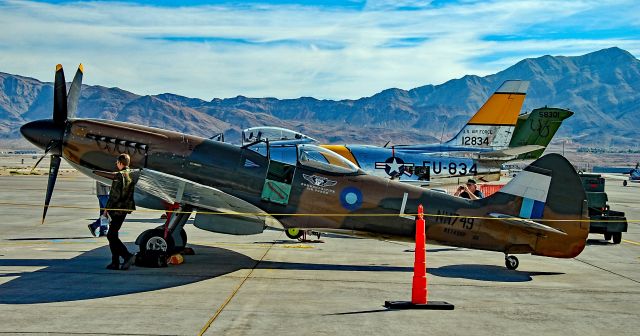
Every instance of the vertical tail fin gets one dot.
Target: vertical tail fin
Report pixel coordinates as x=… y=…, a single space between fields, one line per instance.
x=538 y=128
x=492 y=126
x=546 y=198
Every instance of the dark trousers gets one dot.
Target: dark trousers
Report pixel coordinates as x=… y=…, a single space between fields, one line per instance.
x=115 y=244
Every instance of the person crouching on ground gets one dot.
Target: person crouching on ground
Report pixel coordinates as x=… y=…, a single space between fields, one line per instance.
x=469 y=190
x=120 y=204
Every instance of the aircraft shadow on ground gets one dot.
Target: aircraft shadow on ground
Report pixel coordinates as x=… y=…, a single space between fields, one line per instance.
x=485 y=273
x=84 y=277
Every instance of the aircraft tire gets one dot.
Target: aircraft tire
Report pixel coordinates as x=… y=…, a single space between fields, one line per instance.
x=183 y=234
x=511 y=262
x=624 y=183
x=153 y=239
x=617 y=237
x=293 y=233
x=607 y=236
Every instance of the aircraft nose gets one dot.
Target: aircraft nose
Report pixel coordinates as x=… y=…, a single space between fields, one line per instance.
x=41 y=132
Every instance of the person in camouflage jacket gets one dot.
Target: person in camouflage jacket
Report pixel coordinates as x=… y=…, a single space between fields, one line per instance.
x=120 y=204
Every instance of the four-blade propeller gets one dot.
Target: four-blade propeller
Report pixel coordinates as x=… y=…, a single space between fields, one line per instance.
x=64 y=107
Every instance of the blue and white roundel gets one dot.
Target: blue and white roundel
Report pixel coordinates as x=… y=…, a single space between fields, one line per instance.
x=351 y=198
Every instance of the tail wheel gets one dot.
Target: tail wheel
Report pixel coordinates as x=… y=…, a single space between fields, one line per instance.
x=153 y=240
x=293 y=233
x=511 y=262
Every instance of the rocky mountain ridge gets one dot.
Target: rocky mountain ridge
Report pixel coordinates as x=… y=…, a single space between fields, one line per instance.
x=602 y=87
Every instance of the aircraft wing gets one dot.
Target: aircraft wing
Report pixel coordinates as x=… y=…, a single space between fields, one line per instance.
x=508 y=153
x=526 y=224
x=243 y=217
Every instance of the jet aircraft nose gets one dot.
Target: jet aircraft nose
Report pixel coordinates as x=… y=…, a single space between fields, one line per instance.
x=42 y=132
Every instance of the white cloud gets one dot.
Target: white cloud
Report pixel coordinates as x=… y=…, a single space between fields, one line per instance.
x=291 y=51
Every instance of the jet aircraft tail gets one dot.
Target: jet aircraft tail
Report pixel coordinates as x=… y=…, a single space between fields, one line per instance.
x=548 y=201
x=492 y=126
x=537 y=128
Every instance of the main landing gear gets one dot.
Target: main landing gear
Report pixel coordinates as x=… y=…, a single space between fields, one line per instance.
x=511 y=262
x=169 y=238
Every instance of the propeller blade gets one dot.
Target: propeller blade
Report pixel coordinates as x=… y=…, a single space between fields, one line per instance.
x=74 y=93
x=59 y=97
x=37 y=163
x=53 y=174
x=49 y=146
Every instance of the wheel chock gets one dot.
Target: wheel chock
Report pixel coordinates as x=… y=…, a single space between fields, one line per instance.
x=176 y=259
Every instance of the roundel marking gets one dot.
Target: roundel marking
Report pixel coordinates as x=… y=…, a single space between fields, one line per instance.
x=351 y=198
x=394 y=166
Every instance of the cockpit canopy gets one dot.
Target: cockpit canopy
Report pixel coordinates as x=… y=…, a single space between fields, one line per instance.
x=324 y=159
x=274 y=135
x=307 y=155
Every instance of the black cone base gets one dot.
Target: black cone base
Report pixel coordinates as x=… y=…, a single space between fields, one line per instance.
x=433 y=305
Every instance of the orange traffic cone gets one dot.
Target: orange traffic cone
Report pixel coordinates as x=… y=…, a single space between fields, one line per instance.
x=419 y=290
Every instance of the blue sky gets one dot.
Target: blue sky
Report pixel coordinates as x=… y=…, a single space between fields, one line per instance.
x=287 y=49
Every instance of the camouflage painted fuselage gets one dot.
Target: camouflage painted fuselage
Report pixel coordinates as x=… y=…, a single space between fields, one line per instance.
x=356 y=203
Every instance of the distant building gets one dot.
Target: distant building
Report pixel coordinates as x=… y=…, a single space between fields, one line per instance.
x=24 y=151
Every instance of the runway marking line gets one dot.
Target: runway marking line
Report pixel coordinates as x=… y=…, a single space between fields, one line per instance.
x=631 y=242
x=233 y=294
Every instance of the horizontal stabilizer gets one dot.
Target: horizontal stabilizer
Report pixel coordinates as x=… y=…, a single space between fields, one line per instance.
x=525 y=224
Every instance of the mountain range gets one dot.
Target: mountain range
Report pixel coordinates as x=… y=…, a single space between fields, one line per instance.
x=602 y=88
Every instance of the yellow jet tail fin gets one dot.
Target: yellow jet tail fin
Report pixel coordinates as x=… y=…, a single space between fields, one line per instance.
x=492 y=126
x=503 y=107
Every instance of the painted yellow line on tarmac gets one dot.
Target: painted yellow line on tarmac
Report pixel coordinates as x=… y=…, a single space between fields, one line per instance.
x=631 y=242
x=264 y=245
x=233 y=294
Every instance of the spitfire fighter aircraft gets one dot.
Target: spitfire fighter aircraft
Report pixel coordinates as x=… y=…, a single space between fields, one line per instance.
x=238 y=190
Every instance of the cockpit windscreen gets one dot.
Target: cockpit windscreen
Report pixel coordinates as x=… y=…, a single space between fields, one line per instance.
x=324 y=159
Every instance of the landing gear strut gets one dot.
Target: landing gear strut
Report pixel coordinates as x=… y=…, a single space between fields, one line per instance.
x=511 y=262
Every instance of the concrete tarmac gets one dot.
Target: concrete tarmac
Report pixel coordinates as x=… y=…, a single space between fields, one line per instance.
x=53 y=280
